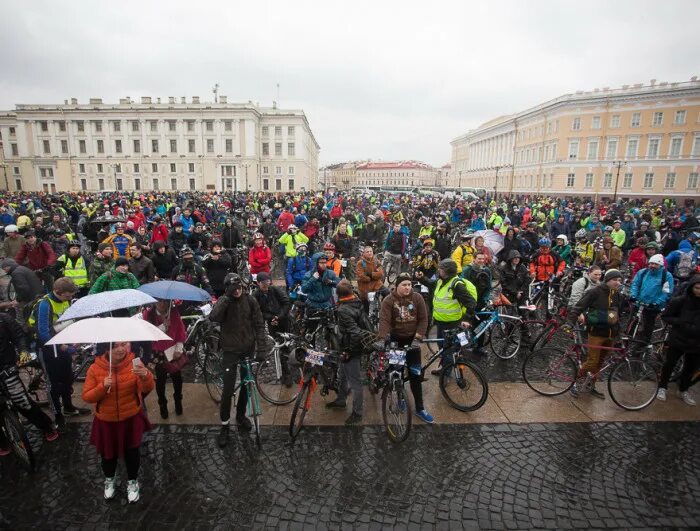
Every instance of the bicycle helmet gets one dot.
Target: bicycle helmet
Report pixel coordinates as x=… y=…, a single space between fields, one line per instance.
x=119 y=226
x=329 y=247
x=514 y=254
x=10 y=229
x=608 y=228
x=545 y=242
x=563 y=237
x=300 y=246
x=185 y=251
x=581 y=234
x=258 y=236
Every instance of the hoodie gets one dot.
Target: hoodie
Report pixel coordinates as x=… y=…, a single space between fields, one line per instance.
x=27 y=285
x=403 y=317
x=683 y=314
x=319 y=291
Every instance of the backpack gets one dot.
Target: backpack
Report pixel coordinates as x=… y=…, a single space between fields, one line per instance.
x=684 y=267
x=28 y=311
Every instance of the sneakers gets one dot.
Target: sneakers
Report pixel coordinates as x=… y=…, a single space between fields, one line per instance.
x=110 y=488
x=336 y=404
x=575 y=391
x=222 y=438
x=75 y=411
x=425 y=416
x=353 y=420
x=244 y=424
x=661 y=394
x=132 y=491
x=685 y=396
x=51 y=435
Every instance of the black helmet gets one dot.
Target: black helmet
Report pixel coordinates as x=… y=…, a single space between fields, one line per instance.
x=185 y=251
x=233 y=279
x=449 y=266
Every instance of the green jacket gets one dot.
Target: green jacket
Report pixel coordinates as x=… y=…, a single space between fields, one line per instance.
x=97 y=267
x=114 y=280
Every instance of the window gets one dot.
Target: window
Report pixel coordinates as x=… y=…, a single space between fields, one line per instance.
x=173 y=146
x=15 y=170
x=210 y=145
x=120 y=184
x=266 y=184
x=278 y=170
x=80 y=125
x=290 y=130
x=570 y=180
x=116 y=127
x=154 y=126
x=117 y=168
x=658 y=119
x=190 y=126
x=117 y=146
x=676 y=144
x=278 y=130
x=627 y=180
x=229 y=145
x=191 y=145
x=592 y=149
x=44 y=127
x=611 y=152
x=679 y=118
x=46 y=172
x=100 y=146
x=607 y=180
x=61 y=126
x=173 y=184
x=137 y=184
x=137 y=146
x=100 y=168
x=278 y=184
x=278 y=149
x=615 y=121
x=81 y=146
x=172 y=125
x=266 y=170
x=228 y=171
x=636 y=119
x=632 y=145
x=291 y=149
x=693 y=180
x=154 y=167
x=137 y=168
x=15 y=151
x=81 y=168
x=46 y=146
x=193 y=184
x=696 y=146
x=265 y=148
x=209 y=125
x=670 y=180
x=156 y=184
x=172 y=167
x=228 y=125
x=190 y=167
x=135 y=126
x=576 y=125
x=98 y=127
x=290 y=170
x=573 y=149
x=595 y=122
x=83 y=184
x=291 y=184
x=18 y=183
x=12 y=131
x=589 y=180
x=653 y=151
x=154 y=146
x=648 y=180
x=101 y=184
x=265 y=130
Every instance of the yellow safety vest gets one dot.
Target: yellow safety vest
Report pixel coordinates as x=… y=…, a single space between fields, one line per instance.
x=77 y=273
x=446 y=308
x=57 y=309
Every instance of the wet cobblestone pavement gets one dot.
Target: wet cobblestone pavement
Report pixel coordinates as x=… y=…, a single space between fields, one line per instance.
x=555 y=476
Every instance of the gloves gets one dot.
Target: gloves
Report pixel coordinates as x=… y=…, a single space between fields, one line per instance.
x=24 y=357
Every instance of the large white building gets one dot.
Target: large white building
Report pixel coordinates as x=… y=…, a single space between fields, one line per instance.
x=396 y=173
x=157 y=145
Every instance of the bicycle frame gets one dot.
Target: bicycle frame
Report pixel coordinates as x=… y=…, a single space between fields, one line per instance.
x=249 y=381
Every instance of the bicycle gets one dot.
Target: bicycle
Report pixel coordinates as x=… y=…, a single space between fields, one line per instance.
x=458 y=374
x=82 y=359
x=391 y=264
x=385 y=370
x=318 y=367
x=319 y=328
x=13 y=429
x=34 y=380
x=632 y=382
x=270 y=374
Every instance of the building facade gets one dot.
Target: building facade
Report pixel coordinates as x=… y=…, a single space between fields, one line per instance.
x=403 y=173
x=640 y=141
x=154 y=145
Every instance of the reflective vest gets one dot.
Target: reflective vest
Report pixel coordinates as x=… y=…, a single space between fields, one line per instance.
x=446 y=308
x=77 y=273
x=57 y=309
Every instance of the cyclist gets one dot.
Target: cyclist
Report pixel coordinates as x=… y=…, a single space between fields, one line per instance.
x=585 y=253
x=464 y=254
x=119 y=241
x=514 y=278
x=318 y=284
x=242 y=333
x=191 y=272
x=332 y=262
x=396 y=245
x=297 y=267
x=610 y=256
x=600 y=308
x=563 y=249
x=590 y=279
x=545 y=263
x=427 y=260
x=25 y=281
x=682 y=262
x=403 y=319
x=637 y=256
x=12 y=339
x=369 y=275
x=653 y=287
x=290 y=241
x=618 y=235
x=140 y=265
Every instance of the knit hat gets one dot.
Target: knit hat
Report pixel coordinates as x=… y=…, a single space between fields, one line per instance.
x=121 y=261
x=8 y=262
x=402 y=278
x=449 y=266
x=611 y=274
x=101 y=247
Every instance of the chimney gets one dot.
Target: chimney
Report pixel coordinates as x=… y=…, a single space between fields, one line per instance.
x=74 y=101
x=183 y=99
x=128 y=99
x=145 y=99
x=195 y=99
x=223 y=99
x=95 y=101
x=171 y=99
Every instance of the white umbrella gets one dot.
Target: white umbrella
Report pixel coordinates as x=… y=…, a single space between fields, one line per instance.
x=492 y=239
x=108 y=301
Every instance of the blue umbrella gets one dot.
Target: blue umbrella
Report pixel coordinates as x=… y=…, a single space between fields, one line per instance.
x=173 y=290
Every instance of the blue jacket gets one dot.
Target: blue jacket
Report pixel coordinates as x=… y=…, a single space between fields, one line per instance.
x=649 y=288
x=478 y=224
x=319 y=291
x=297 y=267
x=187 y=224
x=300 y=220
x=673 y=257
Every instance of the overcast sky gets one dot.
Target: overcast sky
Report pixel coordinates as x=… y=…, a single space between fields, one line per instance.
x=377 y=79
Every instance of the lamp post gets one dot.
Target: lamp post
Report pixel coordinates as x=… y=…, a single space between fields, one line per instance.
x=4 y=172
x=460 y=180
x=619 y=164
x=246 y=165
x=495 y=182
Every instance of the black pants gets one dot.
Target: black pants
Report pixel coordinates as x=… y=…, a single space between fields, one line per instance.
x=132 y=460
x=230 y=368
x=59 y=369
x=413 y=363
x=648 y=321
x=162 y=379
x=13 y=387
x=690 y=366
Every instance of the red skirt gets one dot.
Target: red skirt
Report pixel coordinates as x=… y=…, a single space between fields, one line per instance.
x=110 y=439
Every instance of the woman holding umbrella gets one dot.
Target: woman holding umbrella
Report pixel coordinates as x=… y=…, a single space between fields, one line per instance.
x=116 y=384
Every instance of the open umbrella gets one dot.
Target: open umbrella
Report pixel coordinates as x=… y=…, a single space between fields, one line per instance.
x=109 y=219
x=108 y=301
x=492 y=239
x=173 y=290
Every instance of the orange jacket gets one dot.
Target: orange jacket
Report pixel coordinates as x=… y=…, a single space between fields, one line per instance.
x=544 y=266
x=124 y=399
x=369 y=276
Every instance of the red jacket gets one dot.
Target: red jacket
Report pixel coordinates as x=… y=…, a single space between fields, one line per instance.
x=160 y=233
x=638 y=259
x=38 y=257
x=284 y=220
x=259 y=259
x=544 y=266
x=310 y=229
x=336 y=212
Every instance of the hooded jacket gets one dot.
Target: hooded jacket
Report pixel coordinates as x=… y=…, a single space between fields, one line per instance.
x=319 y=291
x=600 y=298
x=297 y=267
x=673 y=259
x=217 y=270
x=27 y=285
x=259 y=259
x=349 y=314
x=37 y=257
x=243 y=327
x=683 y=314
x=164 y=263
x=12 y=339
x=649 y=287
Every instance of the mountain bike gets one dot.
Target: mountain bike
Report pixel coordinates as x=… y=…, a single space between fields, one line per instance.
x=13 y=429
x=82 y=359
x=319 y=328
x=385 y=371
x=391 y=264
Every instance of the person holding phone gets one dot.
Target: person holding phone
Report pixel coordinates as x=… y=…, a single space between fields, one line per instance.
x=116 y=383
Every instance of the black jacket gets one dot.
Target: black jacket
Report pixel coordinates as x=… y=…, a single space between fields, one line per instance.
x=12 y=339
x=230 y=237
x=600 y=298
x=242 y=324
x=26 y=283
x=217 y=270
x=514 y=280
x=683 y=314
x=274 y=303
x=143 y=269
x=349 y=313
x=164 y=263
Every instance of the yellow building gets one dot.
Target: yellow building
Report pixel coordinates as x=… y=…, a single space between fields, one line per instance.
x=640 y=141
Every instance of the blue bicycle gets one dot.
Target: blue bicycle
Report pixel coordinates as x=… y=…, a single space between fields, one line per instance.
x=504 y=332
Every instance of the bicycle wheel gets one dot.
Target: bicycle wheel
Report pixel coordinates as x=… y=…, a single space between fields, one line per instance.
x=632 y=384
x=463 y=385
x=301 y=406
x=214 y=376
x=34 y=381
x=392 y=272
x=549 y=371
x=433 y=347
x=17 y=437
x=396 y=412
x=269 y=379
x=533 y=334
x=505 y=338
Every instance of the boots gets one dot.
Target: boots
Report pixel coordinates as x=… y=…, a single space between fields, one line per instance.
x=163 y=409
x=178 y=404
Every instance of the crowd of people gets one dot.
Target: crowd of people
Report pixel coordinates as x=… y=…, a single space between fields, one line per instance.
x=331 y=251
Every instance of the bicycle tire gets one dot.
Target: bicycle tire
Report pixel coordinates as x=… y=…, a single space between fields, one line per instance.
x=505 y=339
x=269 y=386
x=392 y=396
x=34 y=380
x=463 y=375
x=296 y=422
x=17 y=437
x=632 y=384
x=534 y=333
x=433 y=347
x=549 y=371
x=213 y=376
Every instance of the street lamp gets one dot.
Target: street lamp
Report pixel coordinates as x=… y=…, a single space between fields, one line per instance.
x=619 y=164
x=4 y=172
x=495 y=183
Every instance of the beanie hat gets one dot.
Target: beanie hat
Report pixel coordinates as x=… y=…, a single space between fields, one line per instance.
x=121 y=261
x=449 y=266
x=101 y=247
x=611 y=274
x=402 y=277
x=263 y=276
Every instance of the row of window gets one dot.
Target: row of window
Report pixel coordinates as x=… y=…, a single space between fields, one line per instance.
x=627 y=180
x=657 y=120
x=653 y=148
x=291 y=149
x=152 y=124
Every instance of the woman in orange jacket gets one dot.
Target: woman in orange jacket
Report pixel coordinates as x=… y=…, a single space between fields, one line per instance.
x=120 y=420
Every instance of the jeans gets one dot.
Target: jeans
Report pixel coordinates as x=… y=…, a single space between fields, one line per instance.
x=59 y=369
x=229 y=365
x=161 y=381
x=350 y=379
x=413 y=365
x=648 y=321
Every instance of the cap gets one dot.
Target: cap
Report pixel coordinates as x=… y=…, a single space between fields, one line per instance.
x=121 y=261
x=263 y=277
x=611 y=274
x=657 y=259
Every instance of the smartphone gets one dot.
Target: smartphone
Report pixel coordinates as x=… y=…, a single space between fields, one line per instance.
x=136 y=362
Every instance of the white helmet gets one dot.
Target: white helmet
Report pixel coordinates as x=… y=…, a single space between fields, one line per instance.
x=10 y=228
x=657 y=259
x=563 y=237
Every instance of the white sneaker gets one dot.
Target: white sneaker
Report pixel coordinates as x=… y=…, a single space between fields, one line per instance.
x=110 y=486
x=661 y=394
x=685 y=396
x=132 y=491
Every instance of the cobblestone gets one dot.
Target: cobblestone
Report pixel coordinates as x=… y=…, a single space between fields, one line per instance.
x=614 y=475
